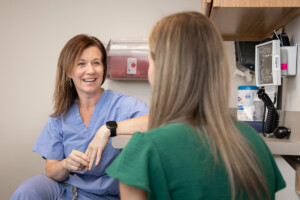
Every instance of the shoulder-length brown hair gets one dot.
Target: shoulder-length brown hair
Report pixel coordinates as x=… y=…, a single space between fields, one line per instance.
x=191 y=84
x=65 y=92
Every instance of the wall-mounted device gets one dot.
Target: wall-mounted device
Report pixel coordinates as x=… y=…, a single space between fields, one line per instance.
x=245 y=55
x=267 y=62
x=127 y=59
x=288 y=57
x=272 y=63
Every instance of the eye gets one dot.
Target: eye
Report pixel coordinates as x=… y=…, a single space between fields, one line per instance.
x=96 y=63
x=81 y=64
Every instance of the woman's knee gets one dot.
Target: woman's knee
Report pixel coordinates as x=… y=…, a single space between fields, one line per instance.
x=38 y=187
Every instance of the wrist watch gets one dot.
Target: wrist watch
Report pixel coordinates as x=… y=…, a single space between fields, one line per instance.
x=112 y=126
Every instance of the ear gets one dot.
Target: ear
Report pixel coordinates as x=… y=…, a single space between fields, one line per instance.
x=69 y=75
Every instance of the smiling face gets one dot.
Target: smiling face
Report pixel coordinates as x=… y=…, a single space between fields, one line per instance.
x=87 y=74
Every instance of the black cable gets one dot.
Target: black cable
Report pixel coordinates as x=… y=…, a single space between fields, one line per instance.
x=263 y=122
x=272 y=117
x=279 y=96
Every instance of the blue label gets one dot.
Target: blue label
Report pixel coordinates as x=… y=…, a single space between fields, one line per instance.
x=247 y=87
x=240 y=107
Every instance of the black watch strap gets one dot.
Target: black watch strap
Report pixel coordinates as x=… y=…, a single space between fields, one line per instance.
x=112 y=126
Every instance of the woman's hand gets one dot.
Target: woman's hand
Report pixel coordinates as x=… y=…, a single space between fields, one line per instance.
x=76 y=161
x=97 y=145
x=59 y=170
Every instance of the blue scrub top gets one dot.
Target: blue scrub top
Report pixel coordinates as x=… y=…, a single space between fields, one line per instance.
x=61 y=135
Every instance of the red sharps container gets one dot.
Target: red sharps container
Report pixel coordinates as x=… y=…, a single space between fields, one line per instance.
x=127 y=59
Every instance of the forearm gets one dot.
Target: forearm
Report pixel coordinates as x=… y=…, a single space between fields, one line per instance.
x=130 y=126
x=101 y=138
x=56 y=171
x=132 y=193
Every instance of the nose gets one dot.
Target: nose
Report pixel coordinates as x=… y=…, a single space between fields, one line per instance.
x=90 y=68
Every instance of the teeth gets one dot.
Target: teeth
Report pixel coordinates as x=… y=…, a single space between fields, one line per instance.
x=89 y=80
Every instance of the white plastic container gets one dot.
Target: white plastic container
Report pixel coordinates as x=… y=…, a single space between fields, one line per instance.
x=245 y=108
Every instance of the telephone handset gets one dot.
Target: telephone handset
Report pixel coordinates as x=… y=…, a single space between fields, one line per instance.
x=272 y=117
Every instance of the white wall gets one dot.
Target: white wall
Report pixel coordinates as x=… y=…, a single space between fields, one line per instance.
x=33 y=33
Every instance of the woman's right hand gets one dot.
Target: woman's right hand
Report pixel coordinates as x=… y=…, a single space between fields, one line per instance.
x=76 y=161
x=97 y=145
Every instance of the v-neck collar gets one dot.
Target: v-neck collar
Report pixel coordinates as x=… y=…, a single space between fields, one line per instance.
x=98 y=107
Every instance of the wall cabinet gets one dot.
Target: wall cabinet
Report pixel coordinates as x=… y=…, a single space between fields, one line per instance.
x=249 y=20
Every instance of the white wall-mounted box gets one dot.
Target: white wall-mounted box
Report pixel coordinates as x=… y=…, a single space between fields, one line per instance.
x=288 y=57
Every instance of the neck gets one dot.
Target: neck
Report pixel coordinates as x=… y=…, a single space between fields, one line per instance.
x=89 y=101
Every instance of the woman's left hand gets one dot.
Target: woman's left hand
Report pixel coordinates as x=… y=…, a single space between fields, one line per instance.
x=97 y=145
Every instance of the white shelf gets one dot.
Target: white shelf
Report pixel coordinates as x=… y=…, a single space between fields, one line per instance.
x=283 y=146
x=276 y=146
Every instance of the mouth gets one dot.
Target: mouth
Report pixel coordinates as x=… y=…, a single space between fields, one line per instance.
x=89 y=80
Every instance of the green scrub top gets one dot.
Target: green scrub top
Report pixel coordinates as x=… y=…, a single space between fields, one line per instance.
x=173 y=162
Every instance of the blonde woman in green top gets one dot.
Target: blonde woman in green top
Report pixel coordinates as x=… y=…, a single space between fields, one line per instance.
x=193 y=149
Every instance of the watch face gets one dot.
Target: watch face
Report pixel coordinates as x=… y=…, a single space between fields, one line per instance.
x=111 y=124
x=265 y=64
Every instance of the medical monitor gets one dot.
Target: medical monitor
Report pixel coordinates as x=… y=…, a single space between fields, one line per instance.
x=267 y=63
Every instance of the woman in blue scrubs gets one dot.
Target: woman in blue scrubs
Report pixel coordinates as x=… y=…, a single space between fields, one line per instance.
x=81 y=107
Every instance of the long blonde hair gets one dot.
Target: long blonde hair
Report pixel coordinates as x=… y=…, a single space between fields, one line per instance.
x=65 y=92
x=192 y=82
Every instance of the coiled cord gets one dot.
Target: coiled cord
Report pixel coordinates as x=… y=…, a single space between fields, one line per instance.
x=273 y=117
